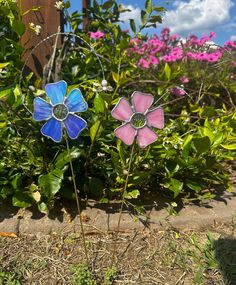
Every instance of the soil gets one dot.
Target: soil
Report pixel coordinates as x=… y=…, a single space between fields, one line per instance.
x=167 y=256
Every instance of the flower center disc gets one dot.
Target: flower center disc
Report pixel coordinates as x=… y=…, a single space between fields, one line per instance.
x=60 y=112
x=138 y=120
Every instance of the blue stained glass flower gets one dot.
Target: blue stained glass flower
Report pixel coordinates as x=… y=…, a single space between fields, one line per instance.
x=60 y=111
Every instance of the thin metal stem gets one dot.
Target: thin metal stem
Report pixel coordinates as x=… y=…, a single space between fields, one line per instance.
x=77 y=201
x=122 y=202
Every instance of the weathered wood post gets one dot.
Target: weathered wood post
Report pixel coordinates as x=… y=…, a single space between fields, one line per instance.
x=50 y=19
x=85 y=9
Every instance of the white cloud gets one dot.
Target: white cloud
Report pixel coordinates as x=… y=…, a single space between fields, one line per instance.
x=197 y=15
x=233 y=38
x=133 y=14
x=231 y=25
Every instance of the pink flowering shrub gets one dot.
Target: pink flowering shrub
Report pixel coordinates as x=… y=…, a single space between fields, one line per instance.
x=171 y=48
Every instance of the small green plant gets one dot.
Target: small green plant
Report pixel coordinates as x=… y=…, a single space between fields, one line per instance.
x=7 y=278
x=82 y=275
x=110 y=276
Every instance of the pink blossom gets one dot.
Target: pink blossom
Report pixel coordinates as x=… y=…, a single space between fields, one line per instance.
x=201 y=56
x=184 y=79
x=166 y=58
x=212 y=58
x=97 y=35
x=177 y=91
x=230 y=44
x=165 y=32
x=144 y=63
x=212 y=35
x=153 y=60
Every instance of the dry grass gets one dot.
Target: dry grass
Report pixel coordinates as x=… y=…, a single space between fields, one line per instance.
x=167 y=257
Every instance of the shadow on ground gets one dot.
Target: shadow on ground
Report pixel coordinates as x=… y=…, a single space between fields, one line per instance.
x=146 y=203
x=225 y=254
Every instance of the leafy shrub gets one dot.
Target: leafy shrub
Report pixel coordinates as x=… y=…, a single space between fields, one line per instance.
x=198 y=96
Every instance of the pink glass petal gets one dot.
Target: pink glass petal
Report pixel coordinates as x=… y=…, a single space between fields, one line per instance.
x=142 y=101
x=155 y=118
x=122 y=111
x=145 y=137
x=126 y=133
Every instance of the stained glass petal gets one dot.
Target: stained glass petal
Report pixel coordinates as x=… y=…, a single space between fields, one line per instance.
x=122 y=111
x=141 y=101
x=56 y=91
x=145 y=137
x=75 y=101
x=74 y=125
x=42 y=110
x=155 y=118
x=126 y=133
x=52 y=129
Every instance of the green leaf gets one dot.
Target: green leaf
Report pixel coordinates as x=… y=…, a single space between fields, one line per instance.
x=115 y=77
x=156 y=19
x=194 y=185
x=51 y=182
x=187 y=144
x=171 y=167
x=148 y=6
x=18 y=27
x=4 y=64
x=132 y=25
x=167 y=71
x=16 y=182
x=176 y=186
x=132 y=194
x=21 y=200
x=144 y=16
x=159 y=9
x=229 y=146
x=5 y=93
x=108 y=4
x=96 y=7
x=99 y=104
x=202 y=144
x=95 y=130
x=43 y=208
x=207 y=132
x=64 y=157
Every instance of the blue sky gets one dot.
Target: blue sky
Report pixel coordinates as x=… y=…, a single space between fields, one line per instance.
x=186 y=17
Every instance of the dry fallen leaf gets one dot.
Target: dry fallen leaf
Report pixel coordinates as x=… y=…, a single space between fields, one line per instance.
x=4 y=234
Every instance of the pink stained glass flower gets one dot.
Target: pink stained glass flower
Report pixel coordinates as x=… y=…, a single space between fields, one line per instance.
x=138 y=119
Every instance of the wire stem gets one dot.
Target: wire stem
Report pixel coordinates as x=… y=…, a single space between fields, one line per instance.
x=122 y=202
x=77 y=201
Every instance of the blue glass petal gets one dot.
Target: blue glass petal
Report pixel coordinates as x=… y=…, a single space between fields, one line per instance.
x=52 y=129
x=42 y=110
x=75 y=101
x=74 y=125
x=56 y=91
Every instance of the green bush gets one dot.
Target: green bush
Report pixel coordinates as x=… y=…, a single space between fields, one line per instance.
x=191 y=155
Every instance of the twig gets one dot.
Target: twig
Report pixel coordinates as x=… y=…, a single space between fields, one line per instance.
x=180 y=278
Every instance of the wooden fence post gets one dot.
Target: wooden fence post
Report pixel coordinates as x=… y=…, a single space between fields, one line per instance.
x=50 y=19
x=85 y=10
